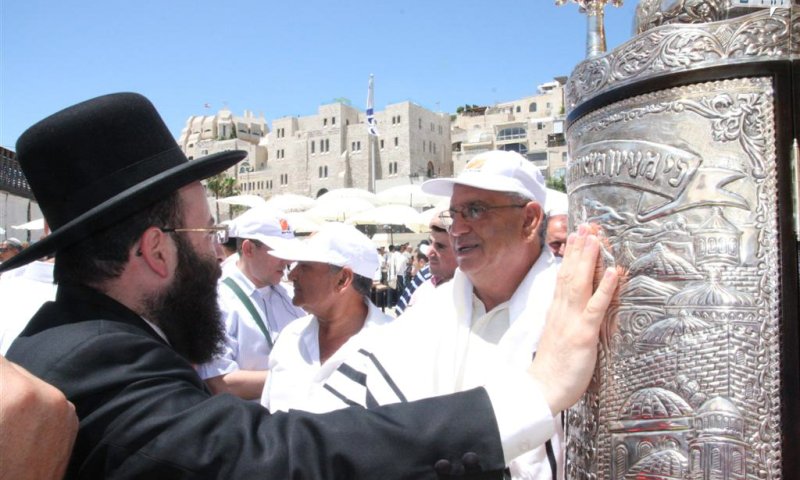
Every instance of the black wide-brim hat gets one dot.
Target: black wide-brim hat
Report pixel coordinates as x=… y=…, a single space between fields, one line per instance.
x=96 y=163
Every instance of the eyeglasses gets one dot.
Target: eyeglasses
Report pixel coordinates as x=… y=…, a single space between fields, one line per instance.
x=220 y=232
x=470 y=212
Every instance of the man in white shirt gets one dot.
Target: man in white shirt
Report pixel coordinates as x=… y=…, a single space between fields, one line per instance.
x=255 y=306
x=441 y=263
x=332 y=281
x=493 y=311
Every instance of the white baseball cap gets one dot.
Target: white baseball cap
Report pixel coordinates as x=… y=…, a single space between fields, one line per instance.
x=265 y=224
x=557 y=203
x=497 y=170
x=335 y=244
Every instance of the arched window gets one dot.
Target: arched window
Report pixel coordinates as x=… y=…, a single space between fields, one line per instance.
x=520 y=148
x=430 y=172
x=532 y=107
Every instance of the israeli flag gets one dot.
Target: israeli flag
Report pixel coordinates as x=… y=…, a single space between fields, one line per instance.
x=372 y=125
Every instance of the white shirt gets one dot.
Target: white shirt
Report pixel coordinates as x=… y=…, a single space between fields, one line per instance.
x=456 y=345
x=246 y=347
x=296 y=376
x=21 y=294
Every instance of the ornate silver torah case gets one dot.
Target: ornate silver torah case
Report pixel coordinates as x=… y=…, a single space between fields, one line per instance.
x=675 y=147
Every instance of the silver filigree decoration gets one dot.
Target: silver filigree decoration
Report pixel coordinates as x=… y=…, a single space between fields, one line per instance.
x=674 y=48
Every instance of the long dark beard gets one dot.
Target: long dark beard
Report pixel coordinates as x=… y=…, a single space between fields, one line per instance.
x=188 y=311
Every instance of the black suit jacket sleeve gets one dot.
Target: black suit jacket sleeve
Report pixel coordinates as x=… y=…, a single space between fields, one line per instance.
x=145 y=413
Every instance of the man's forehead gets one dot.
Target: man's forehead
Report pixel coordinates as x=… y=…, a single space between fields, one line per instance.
x=466 y=194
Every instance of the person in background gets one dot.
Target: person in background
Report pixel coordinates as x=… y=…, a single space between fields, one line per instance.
x=557 y=222
x=255 y=306
x=9 y=248
x=441 y=266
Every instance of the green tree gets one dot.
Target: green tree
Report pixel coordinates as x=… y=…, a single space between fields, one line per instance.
x=556 y=183
x=221 y=185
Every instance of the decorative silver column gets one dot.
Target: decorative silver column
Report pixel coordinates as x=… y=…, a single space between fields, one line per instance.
x=679 y=142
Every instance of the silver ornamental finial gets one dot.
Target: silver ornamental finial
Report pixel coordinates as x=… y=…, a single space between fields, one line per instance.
x=595 y=34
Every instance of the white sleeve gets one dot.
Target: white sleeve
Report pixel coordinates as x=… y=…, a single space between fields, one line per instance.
x=523 y=416
x=225 y=362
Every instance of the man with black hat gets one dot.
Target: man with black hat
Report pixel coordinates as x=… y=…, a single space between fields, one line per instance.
x=134 y=243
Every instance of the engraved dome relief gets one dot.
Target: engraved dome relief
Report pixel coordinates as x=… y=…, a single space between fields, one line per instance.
x=712 y=293
x=664 y=264
x=667 y=331
x=719 y=417
x=662 y=465
x=654 y=403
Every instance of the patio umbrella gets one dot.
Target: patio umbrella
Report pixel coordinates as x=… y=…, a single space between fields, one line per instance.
x=346 y=193
x=291 y=202
x=37 y=224
x=338 y=209
x=400 y=215
x=411 y=195
x=244 y=200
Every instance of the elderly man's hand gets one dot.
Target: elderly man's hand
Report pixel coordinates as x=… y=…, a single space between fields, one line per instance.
x=37 y=426
x=567 y=351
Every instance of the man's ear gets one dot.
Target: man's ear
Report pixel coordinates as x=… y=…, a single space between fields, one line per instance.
x=346 y=277
x=248 y=247
x=534 y=215
x=156 y=251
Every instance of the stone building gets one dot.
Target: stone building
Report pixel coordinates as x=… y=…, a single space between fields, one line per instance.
x=532 y=126
x=17 y=204
x=313 y=154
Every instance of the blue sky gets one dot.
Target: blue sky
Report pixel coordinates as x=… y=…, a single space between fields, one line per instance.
x=283 y=58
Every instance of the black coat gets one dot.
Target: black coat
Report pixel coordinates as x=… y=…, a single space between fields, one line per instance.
x=144 y=413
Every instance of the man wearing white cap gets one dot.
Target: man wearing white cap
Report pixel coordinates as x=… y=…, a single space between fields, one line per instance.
x=557 y=223
x=332 y=281
x=255 y=307
x=494 y=309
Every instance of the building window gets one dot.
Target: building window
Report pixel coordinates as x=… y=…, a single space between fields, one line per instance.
x=333 y=120
x=433 y=127
x=392 y=168
x=381 y=144
x=532 y=107
x=324 y=122
x=423 y=146
x=396 y=141
x=323 y=171
x=539 y=125
x=511 y=133
x=355 y=146
x=519 y=109
x=420 y=124
x=440 y=129
x=313 y=143
x=284 y=179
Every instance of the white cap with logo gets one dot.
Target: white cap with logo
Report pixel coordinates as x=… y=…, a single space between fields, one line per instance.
x=335 y=244
x=267 y=225
x=497 y=170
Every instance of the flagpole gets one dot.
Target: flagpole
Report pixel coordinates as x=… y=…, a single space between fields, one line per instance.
x=372 y=133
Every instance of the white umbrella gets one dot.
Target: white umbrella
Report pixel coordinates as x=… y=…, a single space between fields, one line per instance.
x=291 y=202
x=339 y=210
x=343 y=193
x=244 y=200
x=389 y=215
x=37 y=224
x=411 y=195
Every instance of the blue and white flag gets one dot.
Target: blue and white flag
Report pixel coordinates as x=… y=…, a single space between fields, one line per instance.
x=372 y=125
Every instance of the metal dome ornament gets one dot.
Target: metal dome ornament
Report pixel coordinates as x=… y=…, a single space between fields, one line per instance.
x=595 y=31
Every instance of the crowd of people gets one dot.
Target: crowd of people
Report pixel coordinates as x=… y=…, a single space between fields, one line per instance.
x=163 y=354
